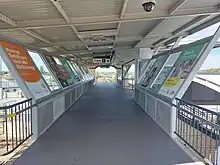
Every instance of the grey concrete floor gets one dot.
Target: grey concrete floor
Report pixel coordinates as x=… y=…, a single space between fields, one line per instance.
x=104 y=127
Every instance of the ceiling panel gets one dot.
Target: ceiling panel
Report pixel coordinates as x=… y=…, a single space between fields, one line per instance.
x=201 y=4
x=74 y=47
x=58 y=34
x=138 y=28
x=125 y=44
x=24 y=10
x=4 y=25
x=135 y=6
x=20 y=36
x=82 y=28
x=88 y=8
x=147 y=42
x=168 y=26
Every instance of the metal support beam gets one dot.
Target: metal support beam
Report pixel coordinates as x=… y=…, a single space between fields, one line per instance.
x=177 y=6
x=67 y=19
x=126 y=71
x=180 y=30
x=7 y=20
x=129 y=18
x=171 y=12
x=37 y=36
x=120 y=17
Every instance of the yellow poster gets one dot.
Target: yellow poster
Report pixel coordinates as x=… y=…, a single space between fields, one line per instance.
x=172 y=81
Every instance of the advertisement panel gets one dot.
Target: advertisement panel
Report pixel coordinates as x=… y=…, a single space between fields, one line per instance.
x=25 y=68
x=61 y=74
x=165 y=71
x=150 y=76
x=149 y=67
x=181 y=69
x=72 y=79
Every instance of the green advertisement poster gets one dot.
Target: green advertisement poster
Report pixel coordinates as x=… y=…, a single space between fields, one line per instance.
x=182 y=69
x=72 y=79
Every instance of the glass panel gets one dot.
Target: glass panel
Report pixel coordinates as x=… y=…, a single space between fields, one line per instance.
x=61 y=74
x=74 y=70
x=77 y=70
x=72 y=79
x=149 y=67
x=150 y=76
x=165 y=71
x=210 y=70
x=47 y=75
x=10 y=91
x=209 y=31
x=182 y=68
x=80 y=71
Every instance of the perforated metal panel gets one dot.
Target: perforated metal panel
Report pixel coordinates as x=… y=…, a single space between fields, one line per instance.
x=137 y=95
x=151 y=107
x=73 y=96
x=58 y=107
x=164 y=115
x=67 y=100
x=45 y=116
x=142 y=100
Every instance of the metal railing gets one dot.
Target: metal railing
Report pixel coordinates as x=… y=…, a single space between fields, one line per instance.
x=199 y=128
x=206 y=80
x=15 y=126
x=128 y=83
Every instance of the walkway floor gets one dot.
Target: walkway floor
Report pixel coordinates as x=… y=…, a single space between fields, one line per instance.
x=104 y=127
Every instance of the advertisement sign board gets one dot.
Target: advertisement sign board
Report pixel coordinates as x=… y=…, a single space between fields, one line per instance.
x=165 y=71
x=59 y=71
x=181 y=69
x=25 y=68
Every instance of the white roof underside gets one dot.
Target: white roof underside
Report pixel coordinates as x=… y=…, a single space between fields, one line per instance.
x=87 y=28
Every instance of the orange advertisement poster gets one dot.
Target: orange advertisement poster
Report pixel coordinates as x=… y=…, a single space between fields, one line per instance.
x=22 y=61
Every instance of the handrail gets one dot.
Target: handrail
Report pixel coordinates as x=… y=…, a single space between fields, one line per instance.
x=199 y=128
x=192 y=104
x=10 y=106
x=208 y=81
x=17 y=125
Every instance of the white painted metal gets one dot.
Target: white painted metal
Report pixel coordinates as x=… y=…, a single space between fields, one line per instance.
x=69 y=26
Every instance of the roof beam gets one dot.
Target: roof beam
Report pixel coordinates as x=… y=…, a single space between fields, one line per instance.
x=128 y=18
x=119 y=23
x=29 y=32
x=171 y=11
x=67 y=19
x=7 y=20
x=177 y=6
x=195 y=22
x=35 y=35
x=188 y=25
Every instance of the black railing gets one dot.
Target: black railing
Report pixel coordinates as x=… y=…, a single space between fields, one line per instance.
x=15 y=126
x=199 y=128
